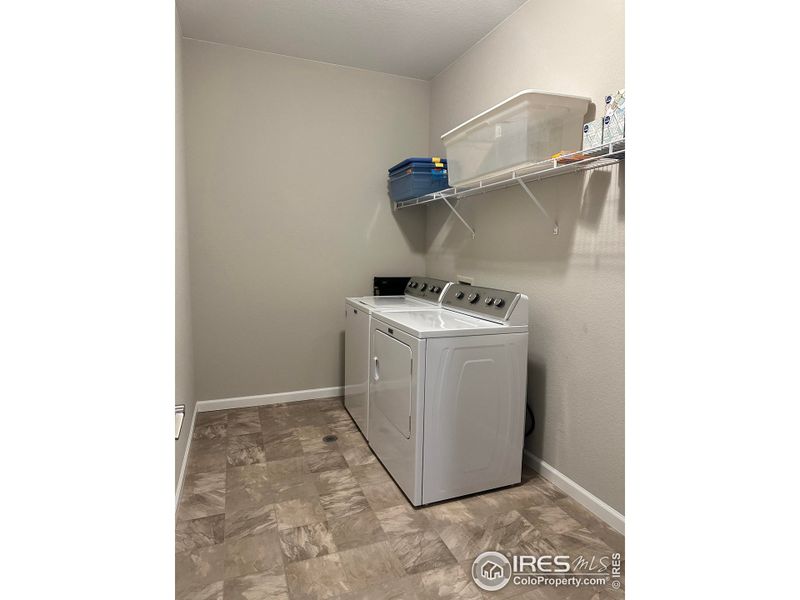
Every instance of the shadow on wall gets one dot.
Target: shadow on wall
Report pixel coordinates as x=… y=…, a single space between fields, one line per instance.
x=509 y=228
x=537 y=389
x=341 y=358
x=411 y=222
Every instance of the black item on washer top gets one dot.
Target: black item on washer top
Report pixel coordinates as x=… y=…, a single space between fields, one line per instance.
x=389 y=286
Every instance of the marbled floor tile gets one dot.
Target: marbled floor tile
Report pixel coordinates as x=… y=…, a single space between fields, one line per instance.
x=335 y=481
x=579 y=542
x=206 y=456
x=548 y=489
x=256 y=587
x=204 y=591
x=358 y=456
x=285 y=467
x=421 y=551
x=245 y=449
x=316 y=578
x=274 y=421
x=604 y=532
x=211 y=427
x=446 y=583
x=384 y=495
x=344 y=503
x=369 y=565
x=294 y=487
x=351 y=440
x=503 y=532
x=310 y=433
x=319 y=445
x=356 y=530
x=247 y=486
x=210 y=416
x=338 y=413
x=343 y=426
x=394 y=589
x=306 y=418
x=281 y=445
x=307 y=541
x=371 y=474
x=300 y=511
x=250 y=521
x=446 y=514
x=198 y=533
x=259 y=553
x=203 y=496
x=324 y=461
x=504 y=500
x=550 y=518
x=243 y=420
x=402 y=519
x=198 y=568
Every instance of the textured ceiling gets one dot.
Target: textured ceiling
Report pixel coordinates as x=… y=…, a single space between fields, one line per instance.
x=416 y=38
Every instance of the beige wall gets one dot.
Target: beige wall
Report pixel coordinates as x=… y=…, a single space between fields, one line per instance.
x=286 y=168
x=575 y=280
x=184 y=384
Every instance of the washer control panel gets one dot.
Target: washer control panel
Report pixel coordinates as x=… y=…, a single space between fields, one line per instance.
x=426 y=288
x=482 y=302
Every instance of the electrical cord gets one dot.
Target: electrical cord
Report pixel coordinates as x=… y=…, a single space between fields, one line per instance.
x=532 y=426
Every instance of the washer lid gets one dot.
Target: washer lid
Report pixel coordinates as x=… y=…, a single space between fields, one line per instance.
x=443 y=323
x=378 y=303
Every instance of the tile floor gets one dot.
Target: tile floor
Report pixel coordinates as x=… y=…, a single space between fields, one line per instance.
x=269 y=510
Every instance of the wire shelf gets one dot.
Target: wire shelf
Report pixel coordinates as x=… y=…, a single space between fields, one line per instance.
x=593 y=158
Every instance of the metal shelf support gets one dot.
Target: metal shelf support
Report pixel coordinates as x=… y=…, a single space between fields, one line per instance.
x=539 y=205
x=456 y=213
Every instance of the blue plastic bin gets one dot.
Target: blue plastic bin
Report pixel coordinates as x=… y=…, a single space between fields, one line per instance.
x=415 y=184
x=417 y=162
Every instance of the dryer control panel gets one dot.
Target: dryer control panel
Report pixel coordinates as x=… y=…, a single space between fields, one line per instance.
x=427 y=288
x=496 y=305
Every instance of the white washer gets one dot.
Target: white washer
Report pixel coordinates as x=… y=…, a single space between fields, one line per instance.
x=447 y=393
x=421 y=293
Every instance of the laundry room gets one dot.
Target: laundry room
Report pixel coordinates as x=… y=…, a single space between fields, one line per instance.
x=379 y=258
x=403 y=304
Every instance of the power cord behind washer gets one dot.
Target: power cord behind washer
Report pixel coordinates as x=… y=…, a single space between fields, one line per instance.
x=532 y=425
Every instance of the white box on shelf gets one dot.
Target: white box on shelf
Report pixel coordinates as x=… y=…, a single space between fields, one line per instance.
x=615 y=101
x=592 y=134
x=528 y=127
x=614 y=126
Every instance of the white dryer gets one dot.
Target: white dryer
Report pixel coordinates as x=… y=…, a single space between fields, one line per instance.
x=447 y=393
x=421 y=293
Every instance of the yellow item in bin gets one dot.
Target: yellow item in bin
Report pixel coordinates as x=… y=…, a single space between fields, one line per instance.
x=436 y=159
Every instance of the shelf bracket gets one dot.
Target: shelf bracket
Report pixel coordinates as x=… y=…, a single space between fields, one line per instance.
x=538 y=205
x=456 y=213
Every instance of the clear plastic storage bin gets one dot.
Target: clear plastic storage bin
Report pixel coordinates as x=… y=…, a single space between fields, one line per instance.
x=528 y=127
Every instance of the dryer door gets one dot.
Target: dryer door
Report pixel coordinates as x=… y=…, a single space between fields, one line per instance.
x=391 y=385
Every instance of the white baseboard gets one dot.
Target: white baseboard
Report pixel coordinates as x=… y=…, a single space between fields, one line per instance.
x=265 y=399
x=182 y=474
x=588 y=500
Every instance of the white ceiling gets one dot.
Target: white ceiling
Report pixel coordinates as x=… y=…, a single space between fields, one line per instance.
x=416 y=38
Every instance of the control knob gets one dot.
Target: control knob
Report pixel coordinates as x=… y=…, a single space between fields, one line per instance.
x=489 y=300
x=473 y=297
x=423 y=287
x=498 y=302
x=459 y=295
